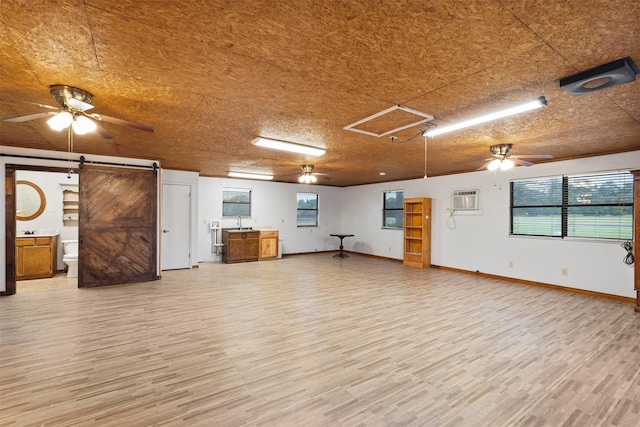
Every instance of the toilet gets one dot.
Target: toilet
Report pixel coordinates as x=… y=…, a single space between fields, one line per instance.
x=70 y=257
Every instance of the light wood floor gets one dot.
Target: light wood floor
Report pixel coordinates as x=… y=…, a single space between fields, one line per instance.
x=315 y=340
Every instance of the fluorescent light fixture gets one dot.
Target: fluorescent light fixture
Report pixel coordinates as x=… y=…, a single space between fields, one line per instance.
x=250 y=176
x=498 y=114
x=60 y=121
x=287 y=146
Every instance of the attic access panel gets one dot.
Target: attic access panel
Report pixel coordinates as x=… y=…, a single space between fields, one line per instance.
x=398 y=113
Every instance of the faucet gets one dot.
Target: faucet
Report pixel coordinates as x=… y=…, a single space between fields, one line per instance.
x=240 y=222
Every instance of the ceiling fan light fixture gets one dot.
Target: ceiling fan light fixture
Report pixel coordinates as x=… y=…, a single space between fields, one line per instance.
x=82 y=125
x=494 y=165
x=506 y=164
x=287 y=146
x=307 y=179
x=60 y=121
x=263 y=177
x=494 y=115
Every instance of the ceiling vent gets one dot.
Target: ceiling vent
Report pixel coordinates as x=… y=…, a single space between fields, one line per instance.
x=602 y=77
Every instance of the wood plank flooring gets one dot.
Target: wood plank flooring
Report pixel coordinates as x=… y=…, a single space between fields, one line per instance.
x=314 y=340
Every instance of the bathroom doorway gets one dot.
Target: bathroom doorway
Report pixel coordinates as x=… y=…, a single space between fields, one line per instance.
x=34 y=241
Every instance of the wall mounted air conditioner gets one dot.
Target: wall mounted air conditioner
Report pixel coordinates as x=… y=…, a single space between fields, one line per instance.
x=465 y=200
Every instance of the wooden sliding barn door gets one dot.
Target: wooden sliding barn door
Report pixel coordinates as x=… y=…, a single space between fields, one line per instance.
x=117 y=226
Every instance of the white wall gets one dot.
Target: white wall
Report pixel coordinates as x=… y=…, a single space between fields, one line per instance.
x=273 y=206
x=479 y=242
x=51 y=218
x=482 y=242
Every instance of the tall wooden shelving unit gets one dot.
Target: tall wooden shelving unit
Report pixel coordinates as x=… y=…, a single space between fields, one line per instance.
x=417 y=232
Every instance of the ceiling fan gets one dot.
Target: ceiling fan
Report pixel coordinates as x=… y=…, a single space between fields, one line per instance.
x=308 y=176
x=501 y=159
x=72 y=110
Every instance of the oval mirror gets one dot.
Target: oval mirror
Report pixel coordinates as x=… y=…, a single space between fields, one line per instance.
x=30 y=201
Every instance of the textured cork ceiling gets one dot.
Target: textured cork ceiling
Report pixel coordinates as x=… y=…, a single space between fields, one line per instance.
x=210 y=76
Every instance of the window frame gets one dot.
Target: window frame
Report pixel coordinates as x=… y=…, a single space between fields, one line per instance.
x=623 y=199
x=230 y=203
x=299 y=209
x=385 y=210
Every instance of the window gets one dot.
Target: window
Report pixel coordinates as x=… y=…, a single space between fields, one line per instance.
x=591 y=206
x=600 y=206
x=536 y=207
x=236 y=202
x=307 y=210
x=392 y=209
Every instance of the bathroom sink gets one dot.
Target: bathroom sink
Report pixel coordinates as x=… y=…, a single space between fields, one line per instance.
x=47 y=232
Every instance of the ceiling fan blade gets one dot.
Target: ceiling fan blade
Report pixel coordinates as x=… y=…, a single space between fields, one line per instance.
x=103 y=132
x=533 y=156
x=520 y=162
x=29 y=117
x=121 y=122
x=50 y=107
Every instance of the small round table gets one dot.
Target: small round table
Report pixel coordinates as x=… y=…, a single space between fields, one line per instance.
x=341 y=254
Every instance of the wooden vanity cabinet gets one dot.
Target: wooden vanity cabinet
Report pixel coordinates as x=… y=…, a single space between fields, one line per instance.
x=240 y=246
x=268 y=245
x=36 y=257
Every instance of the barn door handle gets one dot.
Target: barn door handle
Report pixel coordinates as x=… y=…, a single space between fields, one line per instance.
x=165 y=231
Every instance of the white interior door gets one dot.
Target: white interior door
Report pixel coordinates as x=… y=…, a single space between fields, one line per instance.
x=176 y=208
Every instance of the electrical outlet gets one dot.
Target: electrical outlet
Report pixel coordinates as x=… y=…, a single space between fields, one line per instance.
x=565 y=271
x=283 y=220
x=389 y=248
x=510 y=264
